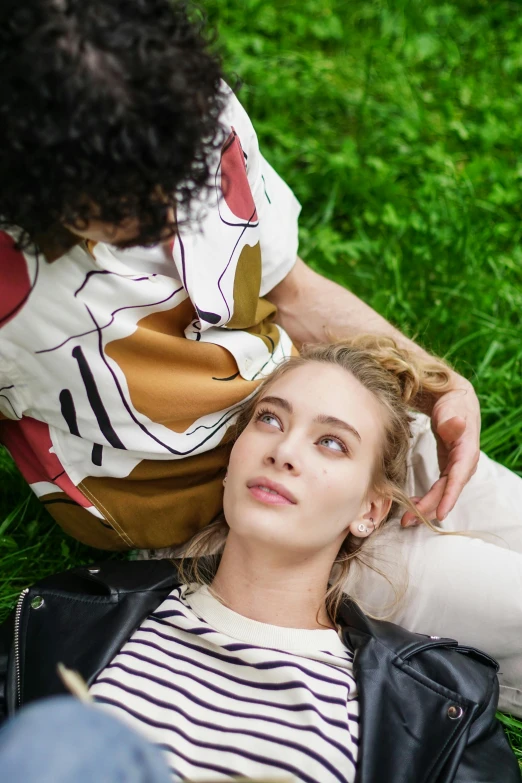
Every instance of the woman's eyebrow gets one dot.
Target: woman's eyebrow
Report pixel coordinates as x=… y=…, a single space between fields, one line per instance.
x=333 y=421
x=277 y=401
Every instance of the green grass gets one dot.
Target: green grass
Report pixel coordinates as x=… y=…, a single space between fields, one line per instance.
x=399 y=126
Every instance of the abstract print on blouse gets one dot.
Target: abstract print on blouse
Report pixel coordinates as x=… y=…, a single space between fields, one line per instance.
x=122 y=371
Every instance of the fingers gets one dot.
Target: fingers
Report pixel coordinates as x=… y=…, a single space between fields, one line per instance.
x=409 y=519
x=450 y=430
x=458 y=476
x=456 y=425
x=427 y=505
x=441 y=498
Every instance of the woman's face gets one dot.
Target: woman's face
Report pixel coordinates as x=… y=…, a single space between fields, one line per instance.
x=300 y=473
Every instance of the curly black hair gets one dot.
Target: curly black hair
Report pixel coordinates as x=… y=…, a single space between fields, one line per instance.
x=105 y=105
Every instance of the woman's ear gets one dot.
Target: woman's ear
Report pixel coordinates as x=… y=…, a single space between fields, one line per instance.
x=370 y=520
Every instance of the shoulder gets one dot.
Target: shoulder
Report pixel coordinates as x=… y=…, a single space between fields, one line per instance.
x=16 y=278
x=113 y=577
x=235 y=119
x=459 y=668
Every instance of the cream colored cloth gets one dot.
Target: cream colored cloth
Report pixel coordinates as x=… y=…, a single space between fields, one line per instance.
x=466 y=588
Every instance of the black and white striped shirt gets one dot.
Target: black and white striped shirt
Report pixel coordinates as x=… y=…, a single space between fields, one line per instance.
x=226 y=696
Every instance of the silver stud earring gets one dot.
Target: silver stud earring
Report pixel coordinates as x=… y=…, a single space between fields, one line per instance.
x=363 y=529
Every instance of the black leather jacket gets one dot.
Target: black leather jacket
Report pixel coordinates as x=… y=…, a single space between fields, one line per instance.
x=427 y=705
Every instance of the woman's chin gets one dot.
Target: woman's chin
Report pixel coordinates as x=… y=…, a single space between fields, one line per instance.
x=261 y=530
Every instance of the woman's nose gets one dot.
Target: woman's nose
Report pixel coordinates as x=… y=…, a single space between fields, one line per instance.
x=283 y=456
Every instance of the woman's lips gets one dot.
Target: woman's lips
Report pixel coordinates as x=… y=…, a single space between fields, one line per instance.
x=272 y=498
x=271 y=492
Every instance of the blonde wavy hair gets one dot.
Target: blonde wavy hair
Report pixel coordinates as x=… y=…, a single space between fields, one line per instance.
x=397 y=378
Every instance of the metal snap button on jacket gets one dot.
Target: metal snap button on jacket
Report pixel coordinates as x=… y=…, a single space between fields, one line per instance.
x=37 y=602
x=454 y=712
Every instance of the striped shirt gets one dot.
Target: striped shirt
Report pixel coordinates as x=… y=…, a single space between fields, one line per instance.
x=225 y=696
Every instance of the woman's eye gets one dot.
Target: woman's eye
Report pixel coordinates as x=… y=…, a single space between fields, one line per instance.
x=268 y=418
x=332 y=443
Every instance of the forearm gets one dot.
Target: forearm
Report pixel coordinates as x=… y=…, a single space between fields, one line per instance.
x=313 y=309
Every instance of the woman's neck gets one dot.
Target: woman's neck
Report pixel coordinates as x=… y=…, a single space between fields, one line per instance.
x=256 y=584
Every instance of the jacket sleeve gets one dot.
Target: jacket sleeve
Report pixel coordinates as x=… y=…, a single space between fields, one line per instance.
x=6 y=643
x=487 y=757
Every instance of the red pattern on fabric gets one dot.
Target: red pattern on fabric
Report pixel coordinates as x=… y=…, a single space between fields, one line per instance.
x=234 y=180
x=28 y=441
x=15 y=284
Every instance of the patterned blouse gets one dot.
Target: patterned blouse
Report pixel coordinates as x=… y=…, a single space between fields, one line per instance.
x=121 y=371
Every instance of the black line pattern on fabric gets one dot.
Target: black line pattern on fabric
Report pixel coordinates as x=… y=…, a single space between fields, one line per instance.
x=227 y=416
x=196 y=324
x=190 y=695
x=220 y=278
x=192 y=719
x=210 y=318
x=206 y=683
x=264 y=188
x=66 y=501
x=90 y=274
x=97 y=454
x=183 y=599
x=219 y=189
x=5 y=388
x=183 y=269
x=222 y=748
x=28 y=294
x=105 y=326
x=237 y=646
x=248 y=223
x=243 y=225
x=168 y=748
x=337 y=682
x=230 y=377
x=11 y=404
x=289 y=685
x=271 y=357
x=272 y=343
x=93 y=395
x=62 y=472
x=69 y=411
x=129 y=409
x=108 y=272
x=228 y=143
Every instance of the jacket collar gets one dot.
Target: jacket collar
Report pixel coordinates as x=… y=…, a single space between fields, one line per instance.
x=399 y=705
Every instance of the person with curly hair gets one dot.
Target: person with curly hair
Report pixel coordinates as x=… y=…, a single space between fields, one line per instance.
x=149 y=280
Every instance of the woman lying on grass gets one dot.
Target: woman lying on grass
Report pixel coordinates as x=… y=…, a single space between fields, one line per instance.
x=249 y=661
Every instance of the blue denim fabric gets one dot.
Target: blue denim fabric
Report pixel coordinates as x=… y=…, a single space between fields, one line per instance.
x=61 y=740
